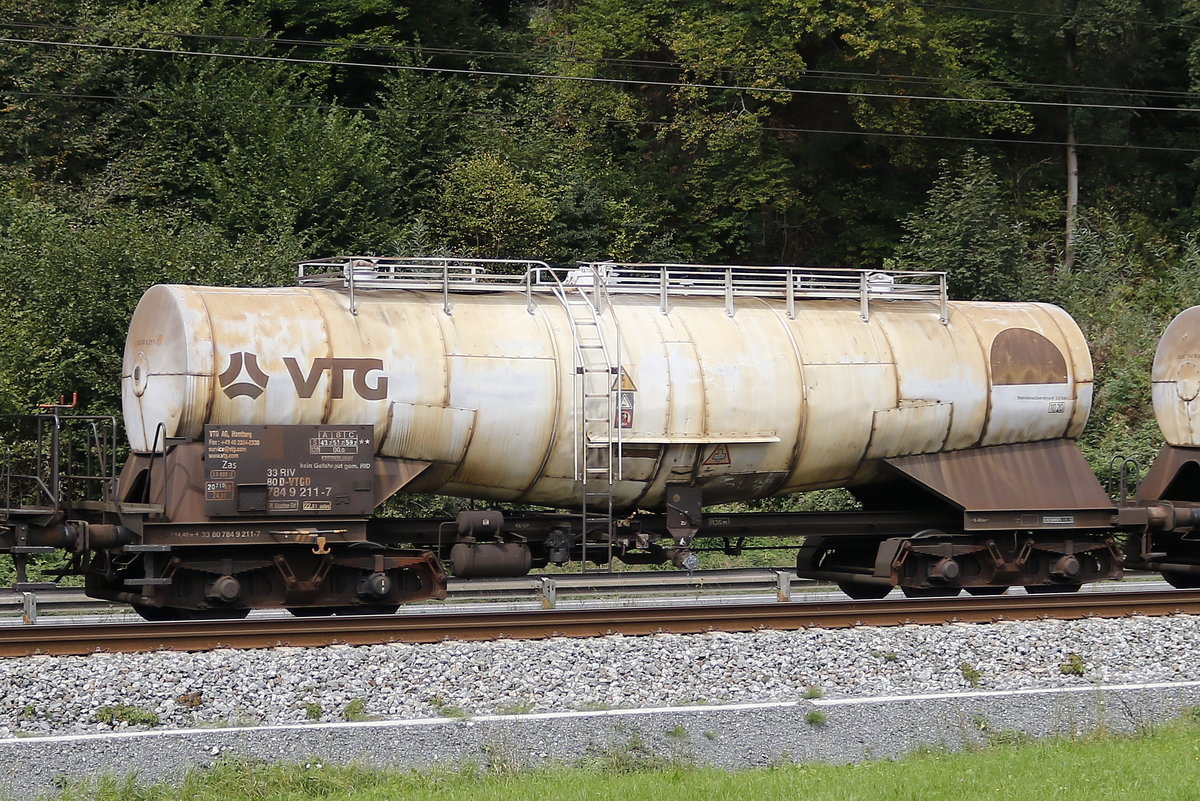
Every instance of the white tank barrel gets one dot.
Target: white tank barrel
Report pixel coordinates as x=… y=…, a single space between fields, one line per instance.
x=1175 y=380
x=723 y=379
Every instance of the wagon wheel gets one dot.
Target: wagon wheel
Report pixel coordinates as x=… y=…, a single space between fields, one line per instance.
x=311 y=611
x=1181 y=581
x=369 y=609
x=1045 y=589
x=930 y=592
x=986 y=590
x=861 y=591
x=159 y=614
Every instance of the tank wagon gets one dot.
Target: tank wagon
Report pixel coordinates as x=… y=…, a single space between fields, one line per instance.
x=265 y=426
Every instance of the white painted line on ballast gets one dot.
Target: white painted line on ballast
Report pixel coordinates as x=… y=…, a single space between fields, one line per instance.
x=413 y=723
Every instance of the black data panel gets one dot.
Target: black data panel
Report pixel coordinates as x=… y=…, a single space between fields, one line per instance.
x=288 y=470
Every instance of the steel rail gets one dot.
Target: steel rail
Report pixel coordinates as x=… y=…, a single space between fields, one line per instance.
x=541 y=624
x=619 y=583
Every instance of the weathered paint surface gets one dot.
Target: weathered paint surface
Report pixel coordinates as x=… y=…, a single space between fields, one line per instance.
x=745 y=405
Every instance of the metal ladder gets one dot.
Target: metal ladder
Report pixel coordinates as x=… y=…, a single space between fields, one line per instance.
x=597 y=385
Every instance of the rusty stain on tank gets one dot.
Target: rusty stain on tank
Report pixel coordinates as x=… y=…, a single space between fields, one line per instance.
x=1021 y=356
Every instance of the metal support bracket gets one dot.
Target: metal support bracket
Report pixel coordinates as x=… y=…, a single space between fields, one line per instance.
x=29 y=609
x=783 y=586
x=548 y=592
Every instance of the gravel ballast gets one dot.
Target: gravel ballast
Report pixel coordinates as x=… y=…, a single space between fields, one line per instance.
x=483 y=694
x=77 y=695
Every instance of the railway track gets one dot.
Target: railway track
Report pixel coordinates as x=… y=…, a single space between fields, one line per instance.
x=544 y=588
x=75 y=638
x=547 y=589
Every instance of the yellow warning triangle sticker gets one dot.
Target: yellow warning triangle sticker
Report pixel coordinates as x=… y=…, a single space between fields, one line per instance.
x=623 y=383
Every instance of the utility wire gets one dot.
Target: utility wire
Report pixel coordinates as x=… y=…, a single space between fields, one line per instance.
x=648 y=63
x=1050 y=15
x=641 y=123
x=591 y=79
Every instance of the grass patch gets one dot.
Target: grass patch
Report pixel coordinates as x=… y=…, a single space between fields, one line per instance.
x=1102 y=766
x=448 y=710
x=124 y=713
x=970 y=673
x=595 y=706
x=1074 y=666
x=678 y=733
x=355 y=711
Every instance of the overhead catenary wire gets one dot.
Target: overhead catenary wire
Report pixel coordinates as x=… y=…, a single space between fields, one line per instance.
x=602 y=120
x=807 y=74
x=597 y=79
x=1052 y=15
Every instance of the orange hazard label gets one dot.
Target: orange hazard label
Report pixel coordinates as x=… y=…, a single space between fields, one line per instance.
x=719 y=455
x=623 y=383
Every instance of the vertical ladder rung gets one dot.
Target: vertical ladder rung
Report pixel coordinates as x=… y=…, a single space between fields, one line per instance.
x=594 y=408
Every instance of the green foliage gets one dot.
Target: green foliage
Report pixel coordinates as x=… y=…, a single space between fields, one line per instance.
x=970 y=673
x=736 y=167
x=678 y=732
x=126 y=714
x=488 y=209
x=447 y=710
x=1074 y=666
x=317 y=176
x=1013 y=768
x=68 y=286
x=816 y=718
x=1130 y=280
x=967 y=232
x=633 y=755
x=355 y=711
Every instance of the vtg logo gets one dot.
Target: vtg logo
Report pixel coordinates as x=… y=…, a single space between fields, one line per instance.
x=243 y=363
x=243 y=377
